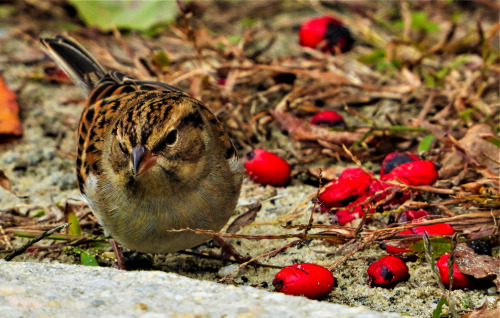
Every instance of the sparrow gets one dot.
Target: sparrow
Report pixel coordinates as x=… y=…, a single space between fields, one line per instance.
x=150 y=158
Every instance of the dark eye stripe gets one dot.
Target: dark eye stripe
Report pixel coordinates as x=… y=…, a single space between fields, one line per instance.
x=122 y=148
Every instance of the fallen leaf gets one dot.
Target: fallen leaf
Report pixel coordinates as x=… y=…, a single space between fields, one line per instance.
x=300 y=129
x=484 y=152
x=5 y=183
x=327 y=174
x=483 y=312
x=479 y=266
x=71 y=217
x=244 y=219
x=10 y=125
x=133 y=15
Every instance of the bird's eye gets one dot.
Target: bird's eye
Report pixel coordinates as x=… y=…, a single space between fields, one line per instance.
x=171 y=137
x=168 y=140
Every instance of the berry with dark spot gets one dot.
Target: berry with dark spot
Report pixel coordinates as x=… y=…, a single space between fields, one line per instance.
x=387 y=272
x=395 y=159
x=328 y=118
x=415 y=173
x=267 y=168
x=310 y=280
x=326 y=34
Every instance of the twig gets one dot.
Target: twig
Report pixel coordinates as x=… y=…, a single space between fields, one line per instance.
x=268 y=254
x=254 y=237
x=215 y=257
x=368 y=241
x=40 y=237
x=311 y=217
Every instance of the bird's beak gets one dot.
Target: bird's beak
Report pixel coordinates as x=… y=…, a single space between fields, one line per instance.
x=142 y=159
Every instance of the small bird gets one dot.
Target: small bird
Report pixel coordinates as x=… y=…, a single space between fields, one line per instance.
x=150 y=158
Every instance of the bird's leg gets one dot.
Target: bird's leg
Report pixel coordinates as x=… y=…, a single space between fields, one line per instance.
x=120 y=263
x=227 y=250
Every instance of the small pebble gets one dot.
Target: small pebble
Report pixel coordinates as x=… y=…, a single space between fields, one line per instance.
x=228 y=269
x=140 y=306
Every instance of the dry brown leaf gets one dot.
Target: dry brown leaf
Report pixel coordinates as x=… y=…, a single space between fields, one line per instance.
x=327 y=174
x=244 y=219
x=484 y=152
x=479 y=266
x=5 y=183
x=10 y=125
x=483 y=312
x=300 y=129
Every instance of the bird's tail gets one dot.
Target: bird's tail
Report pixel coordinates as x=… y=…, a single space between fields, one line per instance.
x=79 y=64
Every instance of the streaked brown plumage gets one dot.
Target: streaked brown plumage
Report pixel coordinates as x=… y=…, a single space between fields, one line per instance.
x=150 y=158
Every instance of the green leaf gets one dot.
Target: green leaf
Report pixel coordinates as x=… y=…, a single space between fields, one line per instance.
x=494 y=140
x=38 y=213
x=430 y=81
x=234 y=39
x=247 y=22
x=87 y=259
x=375 y=57
x=161 y=59
x=442 y=73
x=420 y=21
x=467 y=113
x=74 y=228
x=439 y=308
x=425 y=143
x=440 y=245
x=125 y=14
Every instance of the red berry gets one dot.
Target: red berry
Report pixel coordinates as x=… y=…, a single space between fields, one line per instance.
x=326 y=31
x=411 y=215
x=387 y=272
x=434 y=229
x=460 y=280
x=356 y=173
x=395 y=250
x=221 y=81
x=267 y=168
x=328 y=118
x=346 y=216
x=341 y=192
x=422 y=172
x=395 y=159
x=310 y=280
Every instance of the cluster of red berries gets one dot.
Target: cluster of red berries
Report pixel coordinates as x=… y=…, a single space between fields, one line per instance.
x=414 y=217
x=355 y=189
x=314 y=281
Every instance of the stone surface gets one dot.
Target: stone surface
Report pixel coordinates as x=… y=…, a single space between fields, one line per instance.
x=58 y=290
